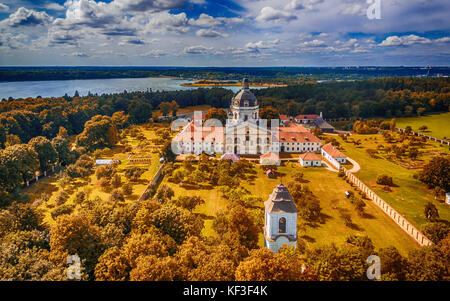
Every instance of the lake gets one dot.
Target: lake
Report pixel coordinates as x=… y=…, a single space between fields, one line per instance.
x=58 y=88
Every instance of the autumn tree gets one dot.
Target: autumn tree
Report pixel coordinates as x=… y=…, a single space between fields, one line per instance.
x=189 y=202
x=45 y=151
x=217 y=113
x=265 y=265
x=437 y=173
x=99 y=131
x=430 y=211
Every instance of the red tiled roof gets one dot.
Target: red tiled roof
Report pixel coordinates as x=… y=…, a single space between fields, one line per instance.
x=310 y=157
x=306 y=116
x=270 y=155
x=284 y=117
x=293 y=127
x=297 y=137
x=333 y=151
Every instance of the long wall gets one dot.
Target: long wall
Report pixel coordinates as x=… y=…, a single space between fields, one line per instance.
x=154 y=180
x=412 y=231
x=442 y=141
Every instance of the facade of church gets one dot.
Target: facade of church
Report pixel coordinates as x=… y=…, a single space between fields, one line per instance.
x=245 y=133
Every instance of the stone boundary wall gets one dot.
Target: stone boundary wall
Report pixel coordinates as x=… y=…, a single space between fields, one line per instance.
x=402 y=222
x=442 y=141
x=154 y=180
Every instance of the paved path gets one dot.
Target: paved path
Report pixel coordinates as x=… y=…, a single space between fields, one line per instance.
x=356 y=167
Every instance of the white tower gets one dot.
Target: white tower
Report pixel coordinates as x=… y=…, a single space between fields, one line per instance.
x=280 y=225
x=244 y=105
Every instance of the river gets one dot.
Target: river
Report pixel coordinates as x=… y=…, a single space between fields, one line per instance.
x=57 y=88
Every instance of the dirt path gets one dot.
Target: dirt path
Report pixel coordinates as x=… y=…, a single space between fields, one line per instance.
x=356 y=167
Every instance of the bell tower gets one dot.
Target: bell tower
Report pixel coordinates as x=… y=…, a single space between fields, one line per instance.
x=280 y=226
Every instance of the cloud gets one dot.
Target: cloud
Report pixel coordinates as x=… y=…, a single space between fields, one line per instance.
x=208 y=33
x=270 y=14
x=132 y=42
x=166 y=22
x=294 y=5
x=27 y=17
x=149 y=5
x=4 y=7
x=205 y=20
x=354 y=9
x=404 y=41
x=197 y=50
x=313 y=43
x=54 y=6
x=154 y=53
x=79 y=54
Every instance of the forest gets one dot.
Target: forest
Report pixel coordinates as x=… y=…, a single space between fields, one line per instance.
x=160 y=238
x=212 y=73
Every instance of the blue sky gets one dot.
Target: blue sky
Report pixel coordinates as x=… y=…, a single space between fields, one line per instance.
x=224 y=33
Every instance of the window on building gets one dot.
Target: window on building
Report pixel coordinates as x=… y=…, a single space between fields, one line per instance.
x=282 y=225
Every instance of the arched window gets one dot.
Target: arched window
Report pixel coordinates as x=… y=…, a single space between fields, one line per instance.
x=282 y=225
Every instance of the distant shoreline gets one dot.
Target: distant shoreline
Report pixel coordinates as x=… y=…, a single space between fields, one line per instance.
x=208 y=83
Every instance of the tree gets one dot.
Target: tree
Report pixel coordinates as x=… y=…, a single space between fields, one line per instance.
x=120 y=119
x=269 y=113
x=437 y=173
x=45 y=151
x=75 y=234
x=116 y=181
x=436 y=231
x=165 y=108
x=164 y=194
x=176 y=222
x=116 y=196
x=189 y=202
x=139 y=111
x=385 y=180
x=393 y=265
x=174 y=107
x=24 y=158
x=264 y=265
x=12 y=140
x=99 y=131
x=134 y=173
x=152 y=268
x=331 y=263
x=392 y=124
x=217 y=113
x=242 y=225
x=61 y=146
x=430 y=211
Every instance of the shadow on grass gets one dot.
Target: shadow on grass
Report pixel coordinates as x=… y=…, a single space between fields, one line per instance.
x=308 y=238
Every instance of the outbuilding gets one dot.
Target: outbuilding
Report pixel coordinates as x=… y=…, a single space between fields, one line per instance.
x=310 y=159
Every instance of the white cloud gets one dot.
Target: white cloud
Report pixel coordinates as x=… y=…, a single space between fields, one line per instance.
x=404 y=40
x=54 y=6
x=354 y=9
x=154 y=53
x=313 y=43
x=205 y=20
x=209 y=33
x=197 y=50
x=166 y=22
x=27 y=17
x=4 y=7
x=294 y=5
x=270 y=14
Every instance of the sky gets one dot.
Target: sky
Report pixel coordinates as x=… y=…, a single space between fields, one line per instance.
x=225 y=33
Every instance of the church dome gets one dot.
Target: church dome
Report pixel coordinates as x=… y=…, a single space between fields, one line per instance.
x=244 y=98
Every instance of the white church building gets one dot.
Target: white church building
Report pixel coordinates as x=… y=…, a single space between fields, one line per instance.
x=280 y=226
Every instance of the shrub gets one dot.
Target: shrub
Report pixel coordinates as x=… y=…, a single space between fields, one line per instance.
x=385 y=180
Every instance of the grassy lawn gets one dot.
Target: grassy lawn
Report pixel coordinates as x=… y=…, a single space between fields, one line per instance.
x=329 y=188
x=438 y=125
x=411 y=195
x=90 y=185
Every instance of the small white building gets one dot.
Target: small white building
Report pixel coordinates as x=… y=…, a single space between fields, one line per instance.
x=329 y=151
x=310 y=159
x=280 y=226
x=447 y=198
x=106 y=162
